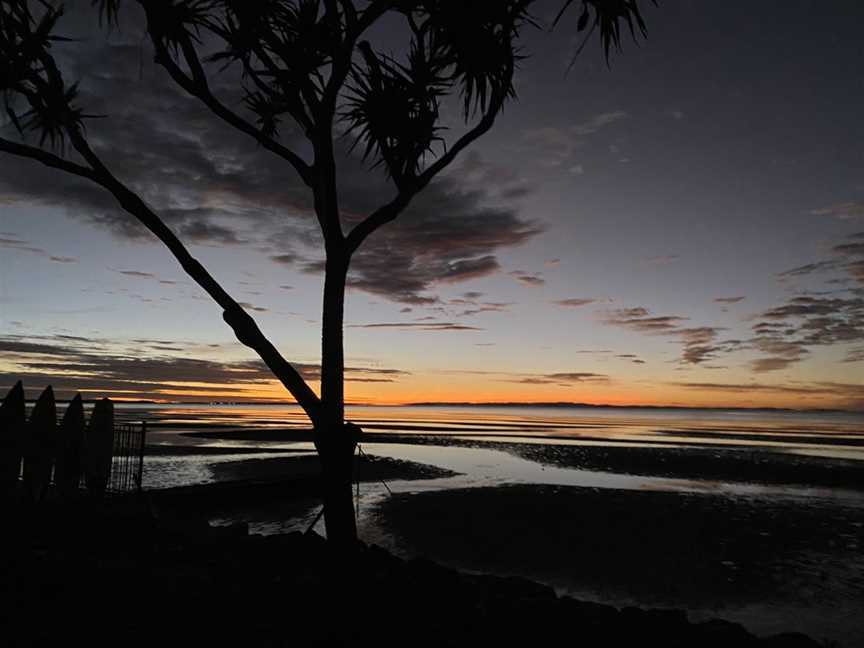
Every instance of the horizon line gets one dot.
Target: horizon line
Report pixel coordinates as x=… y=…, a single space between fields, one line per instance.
x=553 y=404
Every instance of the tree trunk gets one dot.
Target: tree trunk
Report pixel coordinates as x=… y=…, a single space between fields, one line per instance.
x=334 y=440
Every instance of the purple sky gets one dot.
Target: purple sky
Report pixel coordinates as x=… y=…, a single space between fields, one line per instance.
x=686 y=227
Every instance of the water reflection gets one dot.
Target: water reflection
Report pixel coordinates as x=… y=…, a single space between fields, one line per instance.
x=843 y=433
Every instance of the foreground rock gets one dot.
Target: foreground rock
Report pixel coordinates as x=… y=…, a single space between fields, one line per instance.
x=87 y=575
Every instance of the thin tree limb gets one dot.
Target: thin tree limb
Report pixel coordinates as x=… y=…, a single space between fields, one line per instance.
x=389 y=212
x=198 y=86
x=244 y=326
x=46 y=158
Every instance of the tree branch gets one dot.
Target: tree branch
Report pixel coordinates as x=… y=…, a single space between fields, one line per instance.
x=244 y=326
x=46 y=158
x=389 y=212
x=327 y=197
x=198 y=87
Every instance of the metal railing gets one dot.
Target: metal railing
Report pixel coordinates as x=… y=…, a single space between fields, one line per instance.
x=127 y=458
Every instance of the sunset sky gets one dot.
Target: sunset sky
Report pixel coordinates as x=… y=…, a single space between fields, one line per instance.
x=683 y=228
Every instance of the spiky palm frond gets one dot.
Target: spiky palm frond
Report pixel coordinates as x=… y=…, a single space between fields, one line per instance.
x=393 y=109
x=609 y=17
x=285 y=47
x=179 y=21
x=266 y=111
x=34 y=96
x=292 y=35
x=477 y=38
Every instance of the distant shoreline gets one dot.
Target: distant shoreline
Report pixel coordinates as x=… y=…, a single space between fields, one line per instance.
x=470 y=404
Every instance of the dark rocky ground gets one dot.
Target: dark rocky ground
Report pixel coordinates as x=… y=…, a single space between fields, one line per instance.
x=96 y=574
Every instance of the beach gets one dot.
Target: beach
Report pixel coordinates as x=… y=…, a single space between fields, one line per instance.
x=761 y=525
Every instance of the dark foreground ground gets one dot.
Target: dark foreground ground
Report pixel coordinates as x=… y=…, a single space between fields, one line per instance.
x=79 y=574
x=735 y=555
x=770 y=561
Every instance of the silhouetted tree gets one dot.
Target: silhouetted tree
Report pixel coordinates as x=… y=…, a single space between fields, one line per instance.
x=307 y=61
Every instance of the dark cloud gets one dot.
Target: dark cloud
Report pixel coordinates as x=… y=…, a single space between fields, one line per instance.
x=807 y=269
x=533 y=279
x=564 y=379
x=828 y=389
x=18 y=346
x=728 y=300
x=72 y=363
x=285 y=259
x=207 y=181
x=698 y=343
x=805 y=322
x=202 y=232
x=465 y=307
x=855 y=355
x=639 y=320
x=12 y=242
x=807 y=306
x=787 y=332
x=662 y=260
x=418 y=326
x=447 y=235
x=212 y=185
x=761 y=365
x=843 y=211
x=846 y=256
x=632 y=357
x=574 y=302
x=136 y=273
x=850 y=249
x=856 y=270
x=252 y=307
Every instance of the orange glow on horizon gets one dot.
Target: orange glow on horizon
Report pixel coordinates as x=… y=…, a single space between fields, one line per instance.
x=453 y=389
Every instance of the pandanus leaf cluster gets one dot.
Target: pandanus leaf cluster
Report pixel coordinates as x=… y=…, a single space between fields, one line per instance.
x=35 y=98
x=465 y=49
x=290 y=50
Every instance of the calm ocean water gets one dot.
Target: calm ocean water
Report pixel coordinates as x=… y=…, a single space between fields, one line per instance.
x=823 y=434
x=843 y=431
x=836 y=434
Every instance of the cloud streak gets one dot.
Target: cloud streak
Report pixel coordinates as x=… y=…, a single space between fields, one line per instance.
x=698 y=344
x=141 y=368
x=418 y=326
x=12 y=242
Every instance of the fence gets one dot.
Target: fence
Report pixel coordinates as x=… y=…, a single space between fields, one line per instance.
x=45 y=459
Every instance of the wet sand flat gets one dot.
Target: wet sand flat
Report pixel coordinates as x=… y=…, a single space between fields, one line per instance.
x=718 y=463
x=651 y=548
x=715 y=463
